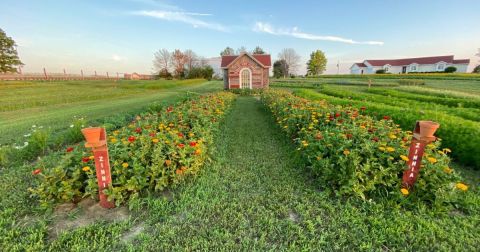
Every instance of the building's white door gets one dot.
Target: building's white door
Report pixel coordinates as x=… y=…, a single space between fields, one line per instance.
x=245 y=78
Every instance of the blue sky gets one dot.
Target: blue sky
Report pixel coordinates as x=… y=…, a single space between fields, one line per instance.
x=122 y=35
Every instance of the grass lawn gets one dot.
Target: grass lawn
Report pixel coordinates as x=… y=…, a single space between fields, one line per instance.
x=254 y=195
x=54 y=104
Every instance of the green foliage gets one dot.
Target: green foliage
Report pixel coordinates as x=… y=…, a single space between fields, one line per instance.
x=317 y=63
x=227 y=51
x=356 y=155
x=456 y=133
x=476 y=69
x=8 y=54
x=247 y=91
x=411 y=82
x=258 y=50
x=280 y=69
x=165 y=74
x=380 y=71
x=205 y=72
x=450 y=69
x=155 y=151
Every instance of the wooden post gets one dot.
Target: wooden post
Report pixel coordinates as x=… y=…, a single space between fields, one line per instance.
x=45 y=73
x=107 y=76
x=95 y=74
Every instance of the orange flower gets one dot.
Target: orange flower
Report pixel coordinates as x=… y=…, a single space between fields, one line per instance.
x=178 y=171
x=168 y=162
x=36 y=171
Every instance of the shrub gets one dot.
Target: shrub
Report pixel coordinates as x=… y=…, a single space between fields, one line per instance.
x=154 y=152
x=355 y=155
x=476 y=69
x=450 y=69
x=380 y=71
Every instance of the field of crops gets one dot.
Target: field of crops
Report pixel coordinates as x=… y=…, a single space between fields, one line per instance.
x=306 y=167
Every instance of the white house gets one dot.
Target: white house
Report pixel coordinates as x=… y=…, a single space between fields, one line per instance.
x=411 y=65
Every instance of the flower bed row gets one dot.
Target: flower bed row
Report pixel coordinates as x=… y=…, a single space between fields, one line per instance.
x=356 y=155
x=155 y=151
x=457 y=133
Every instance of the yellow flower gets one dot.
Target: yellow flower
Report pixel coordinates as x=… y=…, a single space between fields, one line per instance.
x=86 y=168
x=191 y=134
x=125 y=165
x=91 y=157
x=392 y=136
x=432 y=160
x=462 y=186
x=346 y=152
x=390 y=149
x=305 y=144
x=381 y=148
x=404 y=158
x=448 y=170
x=318 y=157
x=116 y=132
x=430 y=146
x=155 y=140
x=404 y=191
x=113 y=140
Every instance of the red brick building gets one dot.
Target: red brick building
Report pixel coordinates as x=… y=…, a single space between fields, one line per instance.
x=246 y=70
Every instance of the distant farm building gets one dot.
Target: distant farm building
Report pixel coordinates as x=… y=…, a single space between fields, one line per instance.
x=136 y=76
x=410 y=65
x=246 y=70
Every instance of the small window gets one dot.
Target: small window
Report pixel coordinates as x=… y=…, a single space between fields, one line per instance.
x=441 y=67
x=386 y=68
x=413 y=68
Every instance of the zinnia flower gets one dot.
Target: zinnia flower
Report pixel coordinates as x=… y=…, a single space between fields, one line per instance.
x=386 y=117
x=36 y=171
x=181 y=145
x=86 y=168
x=404 y=158
x=138 y=130
x=85 y=159
x=197 y=152
x=69 y=149
x=155 y=140
x=462 y=186
x=193 y=144
x=404 y=191
x=168 y=162
x=91 y=157
x=131 y=139
x=448 y=170
x=346 y=152
x=432 y=160
x=390 y=149
x=178 y=171
x=125 y=165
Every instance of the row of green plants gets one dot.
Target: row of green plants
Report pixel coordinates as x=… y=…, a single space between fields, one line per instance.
x=431 y=76
x=309 y=84
x=157 y=150
x=354 y=154
x=437 y=92
x=466 y=113
x=462 y=136
x=448 y=101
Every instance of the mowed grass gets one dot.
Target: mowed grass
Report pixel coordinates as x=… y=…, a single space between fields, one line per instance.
x=255 y=195
x=55 y=104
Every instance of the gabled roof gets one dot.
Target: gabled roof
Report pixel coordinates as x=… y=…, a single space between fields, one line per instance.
x=360 y=64
x=263 y=59
x=421 y=61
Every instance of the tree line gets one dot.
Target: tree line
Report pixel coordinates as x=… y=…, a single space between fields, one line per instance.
x=181 y=65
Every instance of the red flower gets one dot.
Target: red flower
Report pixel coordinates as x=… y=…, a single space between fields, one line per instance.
x=386 y=117
x=181 y=145
x=193 y=144
x=152 y=134
x=340 y=121
x=337 y=115
x=375 y=139
x=69 y=149
x=169 y=109
x=138 y=130
x=349 y=136
x=180 y=135
x=319 y=136
x=85 y=159
x=131 y=139
x=363 y=108
x=36 y=171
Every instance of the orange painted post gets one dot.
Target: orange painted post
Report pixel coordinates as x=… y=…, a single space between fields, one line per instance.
x=97 y=140
x=422 y=135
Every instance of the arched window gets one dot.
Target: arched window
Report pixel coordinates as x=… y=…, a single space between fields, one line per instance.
x=245 y=78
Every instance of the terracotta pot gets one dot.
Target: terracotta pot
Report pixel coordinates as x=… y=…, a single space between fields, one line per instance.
x=92 y=135
x=428 y=128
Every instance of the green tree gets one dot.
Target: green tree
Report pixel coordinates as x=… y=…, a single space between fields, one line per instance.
x=476 y=69
x=258 y=50
x=317 y=63
x=280 y=68
x=227 y=51
x=208 y=72
x=8 y=54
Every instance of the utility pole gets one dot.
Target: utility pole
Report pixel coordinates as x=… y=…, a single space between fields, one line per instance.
x=81 y=71
x=338 y=67
x=45 y=73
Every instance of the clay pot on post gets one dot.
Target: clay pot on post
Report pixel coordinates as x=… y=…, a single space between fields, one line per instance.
x=92 y=135
x=428 y=128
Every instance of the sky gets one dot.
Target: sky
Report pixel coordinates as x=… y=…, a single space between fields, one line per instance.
x=122 y=35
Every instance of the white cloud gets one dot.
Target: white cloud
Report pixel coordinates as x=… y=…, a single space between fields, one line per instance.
x=295 y=32
x=184 y=17
x=116 y=57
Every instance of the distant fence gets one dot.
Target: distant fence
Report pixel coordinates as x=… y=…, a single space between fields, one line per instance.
x=64 y=76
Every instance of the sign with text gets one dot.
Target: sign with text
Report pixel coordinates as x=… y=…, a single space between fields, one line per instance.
x=415 y=155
